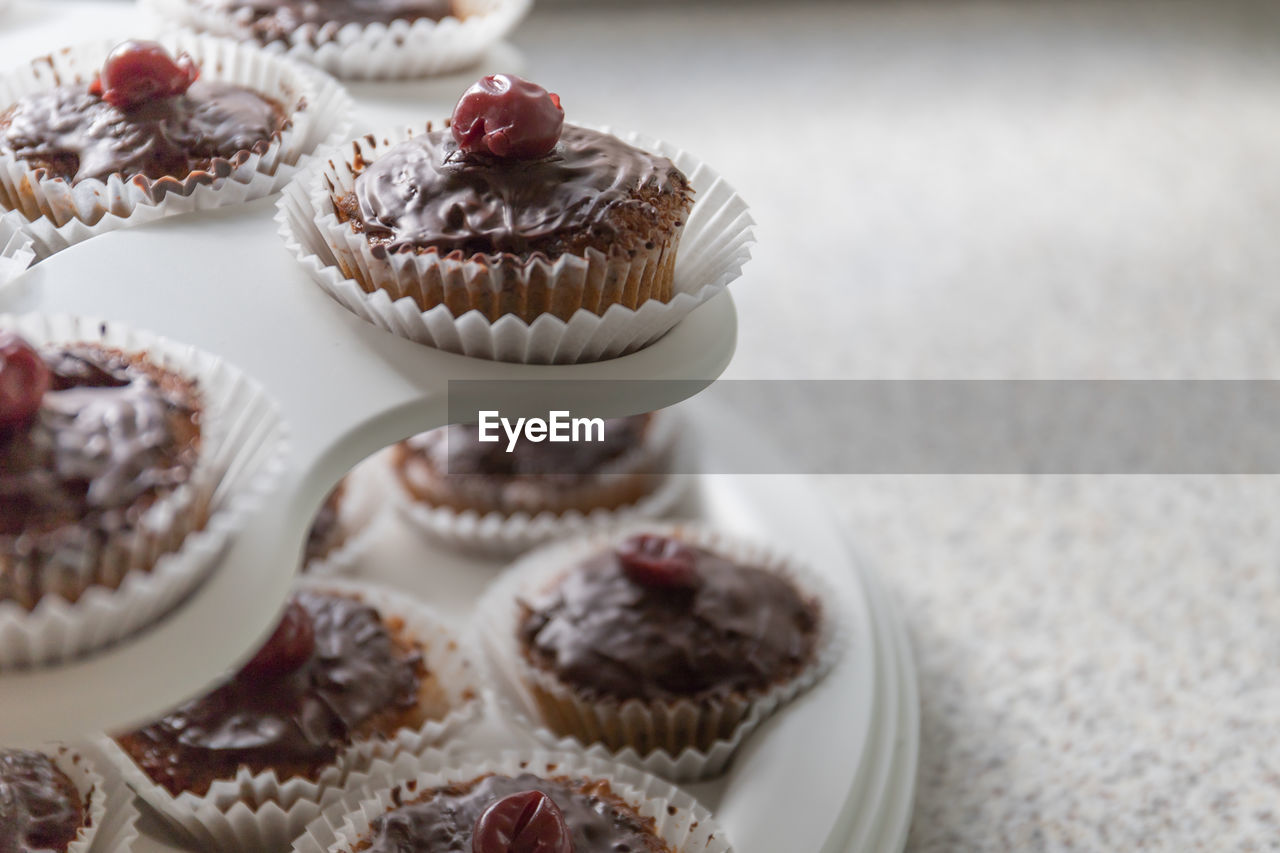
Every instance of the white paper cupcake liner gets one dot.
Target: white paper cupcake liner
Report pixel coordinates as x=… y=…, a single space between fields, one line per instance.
x=511 y=675
x=714 y=246
x=112 y=812
x=494 y=533
x=57 y=214
x=242 y=448
x=261 y=812
x=16 y=251
x=402 y=50
x=679 y=819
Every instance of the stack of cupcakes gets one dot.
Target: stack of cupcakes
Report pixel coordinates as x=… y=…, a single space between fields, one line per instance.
x=508 y=235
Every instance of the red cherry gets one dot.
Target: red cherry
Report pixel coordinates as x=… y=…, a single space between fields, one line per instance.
x=289 y=647
x=660 y=561
x=508 y=117
x=527 y=822
x=24 y=378
x=140 y=71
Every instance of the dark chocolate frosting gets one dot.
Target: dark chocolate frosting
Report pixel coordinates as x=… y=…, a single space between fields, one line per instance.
x=443 y=818
x=302 y=717
x=40 y=808
x=79 y=136
x=457 y=451
x=738 y=630
x=423 y=193
x=107 y=438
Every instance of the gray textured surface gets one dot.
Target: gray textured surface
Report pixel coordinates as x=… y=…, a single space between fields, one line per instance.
x=961 y=189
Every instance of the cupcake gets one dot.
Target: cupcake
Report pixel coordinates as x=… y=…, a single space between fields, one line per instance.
x=669 y=644
x=99 y=457
x=52 y=803
x=351 y=674
x=505 y=233
x=509 y=211
x=126 y=463
x=90 y=137
x=545 y=801
x=363 y=39
x=487 y=495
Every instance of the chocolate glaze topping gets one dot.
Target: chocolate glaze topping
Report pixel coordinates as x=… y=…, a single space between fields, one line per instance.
x=276 y=20
x=424 y=193
x=302 y=717
x=443 y=818
x=78 y=136
x=40 y=808
x=457 y=451
x=108 y=439
x=738 y=629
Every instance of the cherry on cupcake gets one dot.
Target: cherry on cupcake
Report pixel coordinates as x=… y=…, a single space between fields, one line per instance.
x=24 y=379
x=289 y=647
x=505 y=116
x=658 y=561
x=140 y=71
x=525 y=822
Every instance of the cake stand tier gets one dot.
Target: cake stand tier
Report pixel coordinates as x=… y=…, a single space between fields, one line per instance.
x=223 y=282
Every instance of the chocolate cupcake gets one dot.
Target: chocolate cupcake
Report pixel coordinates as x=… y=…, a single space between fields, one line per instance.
x=95 y=135
x=509 y=212
x=486 y=496
x=48 y=802
x=507 y=234
x=361 y=39
x=541 y=801
x=352 y=673
x=126 y=461
x=665 y=647
x=98 y=467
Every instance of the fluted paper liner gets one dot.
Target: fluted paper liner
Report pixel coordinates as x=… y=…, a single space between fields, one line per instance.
x=679 y=820
x=400 y=50
x=713 y=247
x=16 y=251
x=57 y=214
x=242 y=446
x=508 y=535
x=261 y=812
x=112 y=812
x=563 y=720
